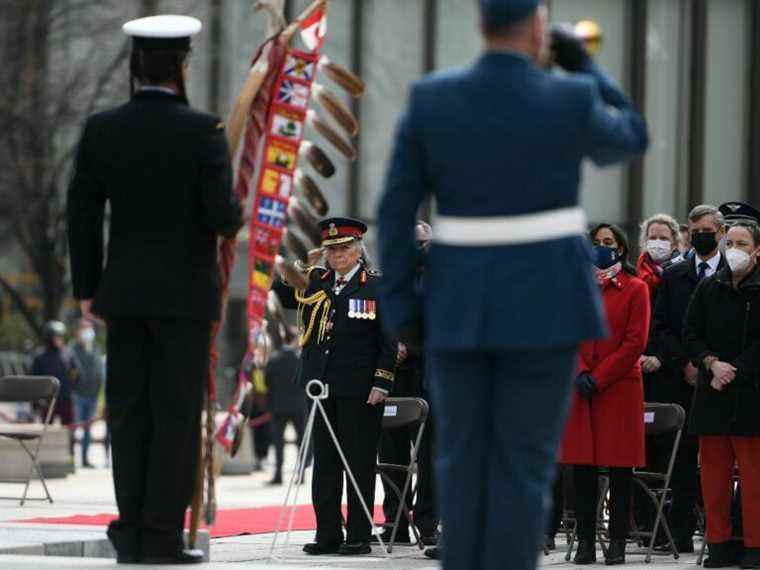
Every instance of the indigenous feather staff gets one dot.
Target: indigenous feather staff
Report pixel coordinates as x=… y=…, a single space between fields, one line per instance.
x=266 y=135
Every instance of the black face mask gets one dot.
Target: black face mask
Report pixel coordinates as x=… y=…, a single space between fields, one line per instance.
x=704 y=242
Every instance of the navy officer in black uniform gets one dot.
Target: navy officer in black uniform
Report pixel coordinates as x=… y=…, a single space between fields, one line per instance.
x=345 y=347
x=164 y=170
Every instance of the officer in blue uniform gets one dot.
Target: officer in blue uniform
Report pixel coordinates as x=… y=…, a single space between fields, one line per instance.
x=510 y=292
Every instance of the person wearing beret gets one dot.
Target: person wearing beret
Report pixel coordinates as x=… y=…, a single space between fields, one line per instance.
x=606 y=423
x=722 y=340
x=498 y=146
x=344 y=345
x=164 y=170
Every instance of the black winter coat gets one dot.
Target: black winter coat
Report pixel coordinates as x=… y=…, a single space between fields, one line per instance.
x=353 y=355
x=164 y=169
x=674 y=293
x=59 y=363
x=284 y=395
x=725 y=322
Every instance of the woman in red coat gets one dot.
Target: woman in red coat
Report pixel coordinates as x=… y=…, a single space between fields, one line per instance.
x=606 y=423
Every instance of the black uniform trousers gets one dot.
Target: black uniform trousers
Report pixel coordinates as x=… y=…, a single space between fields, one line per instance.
x=395 y=447
x=357 y=427
x=154 y=392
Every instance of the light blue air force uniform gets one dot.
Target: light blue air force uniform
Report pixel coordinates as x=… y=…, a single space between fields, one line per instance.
x=500 y=141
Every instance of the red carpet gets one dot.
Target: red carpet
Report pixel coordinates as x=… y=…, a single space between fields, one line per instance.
x=229 y=522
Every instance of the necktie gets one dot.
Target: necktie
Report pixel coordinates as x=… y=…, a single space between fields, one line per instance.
x=702 y=270
x=339 y=283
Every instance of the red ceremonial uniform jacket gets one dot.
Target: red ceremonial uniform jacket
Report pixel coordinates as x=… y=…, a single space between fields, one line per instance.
x=608 y=429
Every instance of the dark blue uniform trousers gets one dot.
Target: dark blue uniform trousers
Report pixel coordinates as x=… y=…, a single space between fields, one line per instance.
x=499 y=416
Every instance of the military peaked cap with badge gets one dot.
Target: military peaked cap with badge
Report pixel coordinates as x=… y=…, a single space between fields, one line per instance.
x=337 y=231
x=739 y=211
x=342 y=334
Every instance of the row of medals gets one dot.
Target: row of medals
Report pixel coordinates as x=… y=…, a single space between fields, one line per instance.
x=356 y=314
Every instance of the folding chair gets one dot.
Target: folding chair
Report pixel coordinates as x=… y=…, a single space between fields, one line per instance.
x=403 y=412
x=42 y=389
x=659 y=419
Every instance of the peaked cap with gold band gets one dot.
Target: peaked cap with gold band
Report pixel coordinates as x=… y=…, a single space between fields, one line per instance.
x=336 y=231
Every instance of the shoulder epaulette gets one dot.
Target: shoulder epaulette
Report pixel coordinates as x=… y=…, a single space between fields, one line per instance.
x=374 y=272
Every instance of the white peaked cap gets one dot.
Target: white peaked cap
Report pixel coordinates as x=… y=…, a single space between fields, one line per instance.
x=163 y=27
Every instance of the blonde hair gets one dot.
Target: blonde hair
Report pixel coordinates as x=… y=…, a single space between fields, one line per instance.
x=663 y=219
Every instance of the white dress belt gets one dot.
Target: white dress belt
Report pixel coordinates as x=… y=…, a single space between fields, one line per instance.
x=509 y=230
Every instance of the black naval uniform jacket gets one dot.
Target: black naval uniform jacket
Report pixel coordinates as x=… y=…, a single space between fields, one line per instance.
x=354 y=354
x=165 y=170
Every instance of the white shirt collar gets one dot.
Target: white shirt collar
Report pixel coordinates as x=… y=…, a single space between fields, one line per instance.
x=350 y=275
x=712 y=262
x=157 y=88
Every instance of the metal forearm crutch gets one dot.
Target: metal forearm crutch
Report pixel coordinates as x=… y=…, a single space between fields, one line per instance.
x=317 y=391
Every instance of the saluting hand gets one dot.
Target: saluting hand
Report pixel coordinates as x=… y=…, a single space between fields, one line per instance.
x=376 y=397
x=569 y=52
x=314 y=256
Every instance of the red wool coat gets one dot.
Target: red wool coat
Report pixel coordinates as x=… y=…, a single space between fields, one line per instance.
x=608 y=429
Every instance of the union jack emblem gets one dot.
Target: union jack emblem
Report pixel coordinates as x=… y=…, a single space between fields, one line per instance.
x=271 y=212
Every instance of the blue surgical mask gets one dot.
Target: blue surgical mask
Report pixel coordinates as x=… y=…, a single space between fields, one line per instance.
x=604 y=257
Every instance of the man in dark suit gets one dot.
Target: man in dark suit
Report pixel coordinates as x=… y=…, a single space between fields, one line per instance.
x=509 y=288
x=343 y=346
x=677 y=376
x=164 y=170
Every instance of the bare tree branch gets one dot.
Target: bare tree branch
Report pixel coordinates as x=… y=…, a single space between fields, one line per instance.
x=23 y=308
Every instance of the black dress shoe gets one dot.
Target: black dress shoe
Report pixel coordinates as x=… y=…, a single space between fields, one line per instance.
x=354 y=548
x=429 y=537
x=317 y=548
x=615 y=553
x=751 y=558
x=125 y=542
x=276 y=480
x=402 y=536
x=586 y=553
x=550 y=543
x=435 y=552
x=184 y=556
x=721 y=555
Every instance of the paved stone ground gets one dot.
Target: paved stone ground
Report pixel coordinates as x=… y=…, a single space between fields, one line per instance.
x=91 y=492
